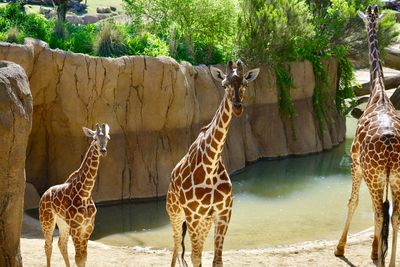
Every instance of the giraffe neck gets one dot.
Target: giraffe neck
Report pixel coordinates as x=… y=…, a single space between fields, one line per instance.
x=376 y=73
x=216 y=132
x=87 y=172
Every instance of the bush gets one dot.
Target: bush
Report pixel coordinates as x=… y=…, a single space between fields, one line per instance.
x=109 y=42
x=35 y=26
x=13 y=35
x=146 y=44
x=194 y=29
x=273 y=29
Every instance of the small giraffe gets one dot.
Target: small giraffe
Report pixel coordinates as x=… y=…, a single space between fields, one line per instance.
x=375 y=154
x=200 y=191
x=70 y=205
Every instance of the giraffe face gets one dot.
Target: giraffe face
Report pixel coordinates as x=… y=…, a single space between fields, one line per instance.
x=101 y=136
x=371 y=17
x=235 y=83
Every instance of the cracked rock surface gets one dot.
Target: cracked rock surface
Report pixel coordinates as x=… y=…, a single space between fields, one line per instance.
x=154 y=107
x=15 y=126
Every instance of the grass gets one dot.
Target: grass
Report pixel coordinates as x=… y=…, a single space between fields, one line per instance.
x=92 y=5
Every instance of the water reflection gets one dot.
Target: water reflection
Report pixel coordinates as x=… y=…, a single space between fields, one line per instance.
x=129 y=217
x=279 y=178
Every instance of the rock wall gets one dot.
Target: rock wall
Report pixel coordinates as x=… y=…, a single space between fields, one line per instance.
x=15 y=126
x=154 y=107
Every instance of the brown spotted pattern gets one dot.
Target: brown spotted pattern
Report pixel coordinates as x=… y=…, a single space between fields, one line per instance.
x=71 y=207
x=200 y=191
x=375 y=151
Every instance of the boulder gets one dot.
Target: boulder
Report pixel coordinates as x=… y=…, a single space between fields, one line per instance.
x=155 y=108
x=103 y=9
x=15 y=126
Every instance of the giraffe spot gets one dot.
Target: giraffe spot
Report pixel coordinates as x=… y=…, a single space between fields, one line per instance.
x=220 y=206
x=187 y=183
x=78 y=186
x=214 y=144
x=228 y=202
x=85 y=169
x=208 y=140
x=226 y=105
x=200 y=192
x=84 y=193
x=198 y=157
x=211 y=154
x=206 y=161
x=95 y=164
x=77 y=201
x=203 y=210
x=57 y=201
x=225 y=117
x=193 y=205
x=218 y=197
x=189 y=194
x=195 y=224
x=206 y=199
x=79 y=218
x=66 y=202
x=72 y=211
x=199 y=175
x=218 y=135
x=92 y=172
x=186 y=172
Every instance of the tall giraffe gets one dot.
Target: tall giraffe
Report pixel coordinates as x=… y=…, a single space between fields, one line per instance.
x=200 y=191
x=375 y=154
x=70 y=205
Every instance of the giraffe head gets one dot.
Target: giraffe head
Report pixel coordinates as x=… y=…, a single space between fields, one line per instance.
x=371 y=17
x=235 y=83
x=101 y=137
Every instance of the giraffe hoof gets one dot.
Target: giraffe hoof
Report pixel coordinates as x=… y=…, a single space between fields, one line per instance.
x=339 y=252
x=374 y=256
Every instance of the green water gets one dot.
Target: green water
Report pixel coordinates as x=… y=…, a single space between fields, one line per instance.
x=275 y=202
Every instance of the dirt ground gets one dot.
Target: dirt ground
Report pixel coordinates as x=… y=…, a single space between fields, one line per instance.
x=313 y=253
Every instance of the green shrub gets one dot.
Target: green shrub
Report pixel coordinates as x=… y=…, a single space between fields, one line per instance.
x=80 y=38
x=196 y=30
x=35 y=26
x=146 y=44
x=13 y=35
x=109 y=41
x=273 y=29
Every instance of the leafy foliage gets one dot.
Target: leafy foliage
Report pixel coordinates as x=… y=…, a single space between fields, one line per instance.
x=200 y=31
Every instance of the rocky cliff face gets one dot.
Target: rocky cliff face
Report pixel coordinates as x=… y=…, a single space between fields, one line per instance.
x=15 y=126
x=154 y=107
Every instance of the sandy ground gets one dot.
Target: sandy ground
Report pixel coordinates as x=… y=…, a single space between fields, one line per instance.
x=314 y=253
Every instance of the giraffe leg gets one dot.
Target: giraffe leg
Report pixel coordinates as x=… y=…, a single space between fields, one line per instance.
x=352 y=205
x=80 y=244
x=198 y=232
x=221 y=226
x=63 y=240
x=47 y=223
x=395 y=226
x=176 y=218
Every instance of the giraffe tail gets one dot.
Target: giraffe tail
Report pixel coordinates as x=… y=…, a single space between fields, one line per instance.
x=385 y=227
x=184 y=228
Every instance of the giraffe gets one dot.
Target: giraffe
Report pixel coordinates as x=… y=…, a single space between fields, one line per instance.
x=375 y=154
x=200 y=190
x=70 y=205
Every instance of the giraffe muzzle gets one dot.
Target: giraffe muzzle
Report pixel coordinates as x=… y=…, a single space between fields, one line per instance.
x=103 y=151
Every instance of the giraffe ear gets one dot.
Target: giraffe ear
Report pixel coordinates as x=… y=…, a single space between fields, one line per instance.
x=251 y=75
x=88 y=132
x=362 y=15
x=217 y=74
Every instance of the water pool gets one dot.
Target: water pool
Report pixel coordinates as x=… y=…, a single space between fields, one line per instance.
x=275 y=202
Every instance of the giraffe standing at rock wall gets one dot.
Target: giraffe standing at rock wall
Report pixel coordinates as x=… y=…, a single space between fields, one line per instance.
x=200 y=191
x=375 y=154
x=70 y=205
